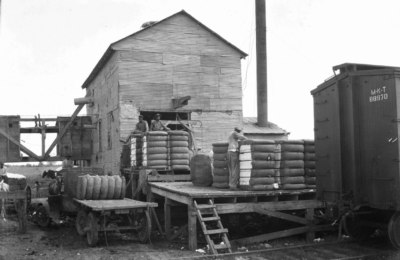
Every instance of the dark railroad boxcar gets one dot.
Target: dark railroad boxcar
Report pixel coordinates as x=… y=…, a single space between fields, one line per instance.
x=356 y=118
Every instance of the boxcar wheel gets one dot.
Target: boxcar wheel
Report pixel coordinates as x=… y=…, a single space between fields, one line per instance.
x=41 y=217
x=92 y=234
x=354 y=229
x=80 y=223
x=144 y=224
x=394 y=230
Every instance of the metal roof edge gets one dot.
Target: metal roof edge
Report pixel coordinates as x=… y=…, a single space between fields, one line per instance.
x=110 y=49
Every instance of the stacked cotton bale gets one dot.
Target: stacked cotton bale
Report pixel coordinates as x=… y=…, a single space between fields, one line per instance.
x=257 y=165
x=155 y=150
x=179 y=150
x=309 y=164
x=220 y=165
x=136 y=151
x=100 y=187
x=290 y=163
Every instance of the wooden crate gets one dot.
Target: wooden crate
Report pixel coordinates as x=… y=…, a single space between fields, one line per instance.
x=76 y=141
x=8 y=150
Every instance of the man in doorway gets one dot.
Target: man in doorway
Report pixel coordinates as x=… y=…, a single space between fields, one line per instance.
x=67 y=163
x=233 y=157
x=141 y=126
x=157 y=125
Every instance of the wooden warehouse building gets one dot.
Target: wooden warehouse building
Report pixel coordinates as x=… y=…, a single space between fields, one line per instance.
x=177 y=67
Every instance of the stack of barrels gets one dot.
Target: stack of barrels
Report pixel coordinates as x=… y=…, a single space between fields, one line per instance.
x=309 y=164
x=100 y=187
x=136 y=151
x=220 y=165
x=257 y=165
x=290 y=164
x=179 y=150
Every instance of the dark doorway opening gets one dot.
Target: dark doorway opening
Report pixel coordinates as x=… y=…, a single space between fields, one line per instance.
x=165 y=117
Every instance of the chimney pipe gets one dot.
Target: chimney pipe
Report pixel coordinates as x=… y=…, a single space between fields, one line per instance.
x=261 y=50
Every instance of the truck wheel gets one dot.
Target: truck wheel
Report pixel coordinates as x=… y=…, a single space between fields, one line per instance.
x=42 y=218
x=92 y=234
x=394 y=230
x=80 y=223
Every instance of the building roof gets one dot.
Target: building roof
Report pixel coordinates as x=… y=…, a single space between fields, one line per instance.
x=359 y=66
x=250 y=127
x=110 y=50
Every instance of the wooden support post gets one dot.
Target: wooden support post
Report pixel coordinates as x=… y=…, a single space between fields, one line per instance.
x=167 y=218
x=43 y=138
x=192 y=228
x=153 y=212
x=310 y=236
x=22 y=220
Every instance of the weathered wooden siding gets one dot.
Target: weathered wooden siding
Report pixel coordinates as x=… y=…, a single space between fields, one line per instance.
x=106 y=111
x=176 y=58
x=215 y=127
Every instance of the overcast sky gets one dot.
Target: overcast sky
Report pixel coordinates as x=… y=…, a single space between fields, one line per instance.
x=48 y=48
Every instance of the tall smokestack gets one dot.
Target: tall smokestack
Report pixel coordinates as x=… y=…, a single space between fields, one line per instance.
x=261 y=49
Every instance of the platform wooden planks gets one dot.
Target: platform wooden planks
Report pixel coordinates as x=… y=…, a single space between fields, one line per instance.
x=99 y=205
x=189 y=190
x=229 y=201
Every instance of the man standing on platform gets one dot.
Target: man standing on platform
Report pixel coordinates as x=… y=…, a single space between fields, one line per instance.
x=157 y=125
x=141 y=126
x=233 y=157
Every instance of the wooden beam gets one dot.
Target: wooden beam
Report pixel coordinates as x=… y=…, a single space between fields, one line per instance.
x=23 y=148
x=168 y=178
x=192 y=226
x=285 y=216
x=270 y=236
x=60 y=135
x=170 y=195
x=167 y=218
x=43 y=137
x=84 y=101
x=38 y=130
x=181 y=230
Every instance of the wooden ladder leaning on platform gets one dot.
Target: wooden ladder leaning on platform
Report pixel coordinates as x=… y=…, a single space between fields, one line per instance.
x=207 y=233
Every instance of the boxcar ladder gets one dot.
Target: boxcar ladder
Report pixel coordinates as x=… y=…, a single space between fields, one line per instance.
x=207 y=233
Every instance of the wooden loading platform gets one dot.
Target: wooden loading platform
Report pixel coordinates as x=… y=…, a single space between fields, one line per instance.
x=227 y=202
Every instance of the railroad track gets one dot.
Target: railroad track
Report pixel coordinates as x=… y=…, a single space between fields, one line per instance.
x=377 y=248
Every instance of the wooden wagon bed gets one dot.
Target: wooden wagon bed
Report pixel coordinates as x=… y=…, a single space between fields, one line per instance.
x=229 y=201
x=100 y=205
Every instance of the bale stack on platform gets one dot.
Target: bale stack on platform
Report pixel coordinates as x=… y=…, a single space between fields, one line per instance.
x=136 y=144
x=179 y=150
x=156 y=150
x=257 y=165
x=220 y=164
x=100 y=187
x=309 y=164
x=290 y=163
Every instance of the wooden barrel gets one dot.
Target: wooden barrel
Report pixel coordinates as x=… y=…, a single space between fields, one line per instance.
x=200 y=170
